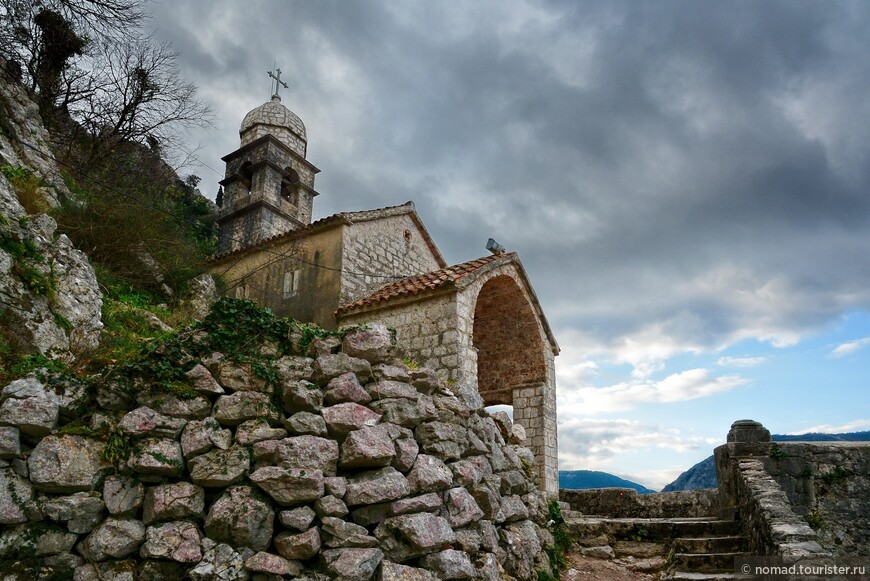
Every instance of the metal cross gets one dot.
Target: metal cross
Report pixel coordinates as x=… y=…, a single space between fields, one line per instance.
x=278 y=82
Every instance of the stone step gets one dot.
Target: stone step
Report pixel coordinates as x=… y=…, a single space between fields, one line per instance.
x=694 y=576
x=704 y=562
x=727 y=544
x=660 y=530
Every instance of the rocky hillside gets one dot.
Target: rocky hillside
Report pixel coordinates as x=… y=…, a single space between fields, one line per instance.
x=251 y=447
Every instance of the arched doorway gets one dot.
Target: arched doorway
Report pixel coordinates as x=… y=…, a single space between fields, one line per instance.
x=510 y=352
x=514 y=367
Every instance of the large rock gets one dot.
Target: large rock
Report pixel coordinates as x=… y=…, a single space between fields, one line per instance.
x=200 y=294
x=220 y=468
x=298 y=518
x=301 y=396
x=272 y=564
x=241 y=519
x=352 y=564
x=394 y=572
x=232 y=410
x=327 y=367
x=341 y=534
x=170 y=404
x=413 y=535
x=177 y=541
x=202 y=381
x=369 y=447
x=300 y=546
x=373 y=342
x=289 y=486
x=252 y=431
x=172 y=502
x=67 y=392
x=69 y=321
x=429 y=474
x=449 y=564
x=344 y=389
x=157 y=457
x=66 y=463
x=240 y=377
x=144 y=421
x=10 y=443
x=376 y=486
x=302 y=423
x=16 y=497
x=343 y=418
x=460 y=507
x=446 y=441
x=114 y=539
x=309 y=452
x=35 y=416
x=122 y=494
x=199 y=437
x=81 y=511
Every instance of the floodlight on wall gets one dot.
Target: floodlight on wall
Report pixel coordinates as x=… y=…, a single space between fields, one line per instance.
x=494 y=247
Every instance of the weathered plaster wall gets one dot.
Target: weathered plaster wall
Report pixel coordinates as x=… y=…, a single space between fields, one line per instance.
x=387 y=249
x=259 y=276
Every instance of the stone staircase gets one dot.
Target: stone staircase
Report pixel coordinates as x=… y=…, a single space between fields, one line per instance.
x=682 y=549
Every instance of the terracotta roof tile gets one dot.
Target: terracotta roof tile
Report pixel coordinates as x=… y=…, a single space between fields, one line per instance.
x=419 y=283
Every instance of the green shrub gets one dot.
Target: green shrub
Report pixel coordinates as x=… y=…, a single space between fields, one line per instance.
x=28 y=188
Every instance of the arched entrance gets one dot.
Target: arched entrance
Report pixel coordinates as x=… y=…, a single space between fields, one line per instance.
x=510 y=353
x=512 y=368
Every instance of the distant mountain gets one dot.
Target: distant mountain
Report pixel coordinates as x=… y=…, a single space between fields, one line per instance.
x=585 y=479
x=703 y=474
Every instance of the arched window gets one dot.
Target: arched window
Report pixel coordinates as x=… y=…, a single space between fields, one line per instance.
x=290 y=186
x=246 y=173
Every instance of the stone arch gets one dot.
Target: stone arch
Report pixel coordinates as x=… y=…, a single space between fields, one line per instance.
x=246 y=175
x=506 y=335
x=514 y=364
x=290 y=185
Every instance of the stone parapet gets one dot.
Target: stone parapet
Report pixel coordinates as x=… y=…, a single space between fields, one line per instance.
x=627 y=503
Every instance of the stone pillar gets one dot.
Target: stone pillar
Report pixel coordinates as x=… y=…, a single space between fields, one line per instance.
x=746 y=439
x=535 y=410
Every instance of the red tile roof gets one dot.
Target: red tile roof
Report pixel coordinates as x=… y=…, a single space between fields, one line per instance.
x=420 y=283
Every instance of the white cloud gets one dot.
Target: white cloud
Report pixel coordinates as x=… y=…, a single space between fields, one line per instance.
x=740 y=361
x=685 y=385
x=850 y=347
x=853 y=426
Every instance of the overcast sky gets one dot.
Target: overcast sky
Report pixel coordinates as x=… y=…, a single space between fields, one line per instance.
x=685 y=182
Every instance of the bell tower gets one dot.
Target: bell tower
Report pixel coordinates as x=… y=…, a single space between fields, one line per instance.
x=268 y=185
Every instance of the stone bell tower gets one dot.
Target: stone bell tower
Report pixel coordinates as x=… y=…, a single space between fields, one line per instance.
x=269 y=185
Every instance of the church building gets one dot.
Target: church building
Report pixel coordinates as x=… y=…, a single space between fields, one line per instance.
x=478 y=323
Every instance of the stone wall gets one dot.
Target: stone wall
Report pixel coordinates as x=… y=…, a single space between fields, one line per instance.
x=388 y=248
x=827 y=483
x=627 y=503
x=343 y=464
x=796 y=498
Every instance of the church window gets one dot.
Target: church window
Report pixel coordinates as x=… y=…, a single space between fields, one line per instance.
x=290 y=186
x=291 y=283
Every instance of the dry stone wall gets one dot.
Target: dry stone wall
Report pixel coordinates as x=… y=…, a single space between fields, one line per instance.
x=341 y=463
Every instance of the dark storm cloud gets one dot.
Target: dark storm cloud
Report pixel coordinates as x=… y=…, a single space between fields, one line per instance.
x=654 y=163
